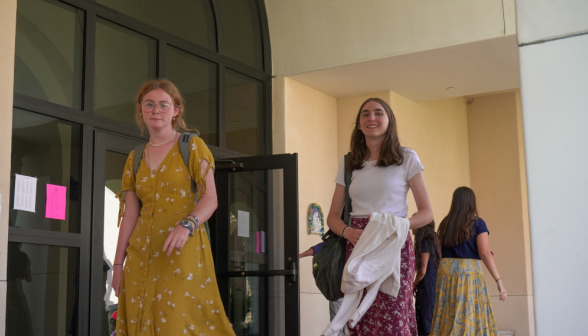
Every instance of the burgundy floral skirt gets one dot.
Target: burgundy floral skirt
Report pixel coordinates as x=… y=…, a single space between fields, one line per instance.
x=389 y=316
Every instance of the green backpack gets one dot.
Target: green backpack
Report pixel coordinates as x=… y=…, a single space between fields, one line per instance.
x=184 y=145
x=328 y=264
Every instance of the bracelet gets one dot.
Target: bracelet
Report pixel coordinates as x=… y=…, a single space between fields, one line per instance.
x=117 y=264
x=197 y=222
x=498 y=279
x=343 y=233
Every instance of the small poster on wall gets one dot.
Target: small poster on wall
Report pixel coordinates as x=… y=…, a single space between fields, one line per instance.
x=316 y=222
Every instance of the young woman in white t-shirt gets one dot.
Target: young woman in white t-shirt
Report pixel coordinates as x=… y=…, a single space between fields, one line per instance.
x=382 y=173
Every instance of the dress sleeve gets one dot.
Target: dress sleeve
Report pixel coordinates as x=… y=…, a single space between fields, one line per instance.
x=426 y=247
x=480 y=226
x=127 y=184
x=199 y=152
x=412 y=163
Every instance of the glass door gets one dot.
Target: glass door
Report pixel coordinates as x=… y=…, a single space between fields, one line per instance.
x=110 y=157
x=255 y=237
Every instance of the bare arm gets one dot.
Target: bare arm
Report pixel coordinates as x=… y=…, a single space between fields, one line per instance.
x=488 y=259
x=127 y=226
x=424 y=214
x=423 y=269
x=203 y=211
x=334 y=221
x=209 y=202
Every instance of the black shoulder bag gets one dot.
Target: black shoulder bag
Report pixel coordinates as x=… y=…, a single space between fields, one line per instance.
x=328 y=264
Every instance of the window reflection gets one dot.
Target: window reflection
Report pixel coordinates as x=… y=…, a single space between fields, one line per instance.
x=41 y=296
x=114 y=166
x=248 y=305
x=241 y=31
x=196 y=80
x=48 y=149
x=189 y=19
x=124 y=61
x=49 y=50
x=244 y=117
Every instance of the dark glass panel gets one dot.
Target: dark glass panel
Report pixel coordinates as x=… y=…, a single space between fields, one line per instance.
x=192 y=20
x=50 y=150
x=42 y=288
x=124 y=61
x=248 y=306
x=244 y=117
x=196 y=80
x=241 y=39
x=49 y=51
x=114 y=167
x=248 y=195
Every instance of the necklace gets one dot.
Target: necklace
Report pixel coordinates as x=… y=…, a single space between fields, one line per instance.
x=163 y=143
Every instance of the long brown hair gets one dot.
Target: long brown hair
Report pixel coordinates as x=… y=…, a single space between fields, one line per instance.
x=457 y=226
x=166 y=85
x=390 y=150
x=422 y=234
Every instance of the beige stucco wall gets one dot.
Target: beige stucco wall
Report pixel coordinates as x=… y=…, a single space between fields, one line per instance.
x=436 y=130
x=305 y=122
x=7 y=36
x=498 y=177
x=308 y=35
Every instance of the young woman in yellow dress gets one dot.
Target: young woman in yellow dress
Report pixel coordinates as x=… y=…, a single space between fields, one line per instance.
x=167 y=285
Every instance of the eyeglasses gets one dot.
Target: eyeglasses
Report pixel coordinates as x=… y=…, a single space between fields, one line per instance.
x=149 y=106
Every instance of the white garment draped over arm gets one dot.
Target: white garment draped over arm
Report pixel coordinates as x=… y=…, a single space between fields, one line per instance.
x=374 y=265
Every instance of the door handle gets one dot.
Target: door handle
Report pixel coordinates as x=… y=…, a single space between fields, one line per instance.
x=291 y=272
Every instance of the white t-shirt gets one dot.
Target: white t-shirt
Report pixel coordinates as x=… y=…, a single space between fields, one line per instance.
x=381 y=189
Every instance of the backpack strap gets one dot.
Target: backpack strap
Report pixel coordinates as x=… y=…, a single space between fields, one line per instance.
x=185 y=152
x=138 y=157
x=184 y=145
x=136 y=163
x=347 y=210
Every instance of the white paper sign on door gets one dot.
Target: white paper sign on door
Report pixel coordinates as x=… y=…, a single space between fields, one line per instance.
x=25 y=193
x=243 y=224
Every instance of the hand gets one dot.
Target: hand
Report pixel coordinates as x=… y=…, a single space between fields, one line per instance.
x=414 y=288
x=116 y=278
x=501 y=289
x=353 y=235
x=176 y=239
x=307 y=253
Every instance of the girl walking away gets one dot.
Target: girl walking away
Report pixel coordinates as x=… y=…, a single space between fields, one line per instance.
x=427 y=249
x=382 y=173
x=167 y=285
x=462 y=304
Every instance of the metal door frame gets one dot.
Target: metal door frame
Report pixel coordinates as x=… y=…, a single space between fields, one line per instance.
x=288 y=163
x=103 y=141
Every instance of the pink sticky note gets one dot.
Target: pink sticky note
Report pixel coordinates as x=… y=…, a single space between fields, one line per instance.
x=55 y=207
x=258 y=249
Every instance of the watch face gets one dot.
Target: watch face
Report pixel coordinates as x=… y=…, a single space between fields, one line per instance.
x=185 y=223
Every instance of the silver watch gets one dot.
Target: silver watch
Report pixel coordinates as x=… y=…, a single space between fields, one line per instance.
x=188 y=225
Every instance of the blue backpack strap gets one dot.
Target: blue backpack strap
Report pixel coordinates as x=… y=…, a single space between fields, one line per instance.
x=184 y=145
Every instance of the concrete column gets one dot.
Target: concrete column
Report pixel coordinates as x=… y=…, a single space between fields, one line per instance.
x=553 y=46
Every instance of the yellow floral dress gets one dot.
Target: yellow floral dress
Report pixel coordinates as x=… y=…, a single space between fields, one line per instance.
x=175 y=295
